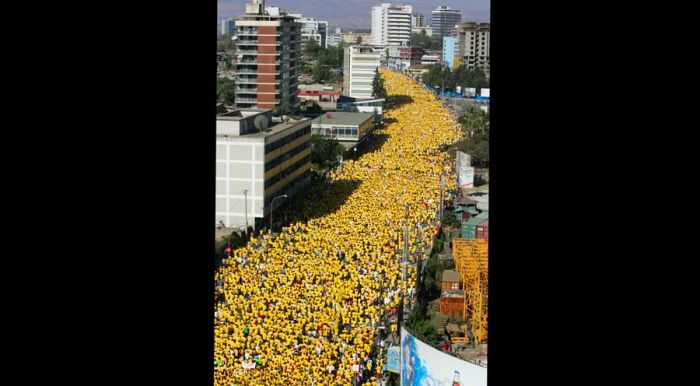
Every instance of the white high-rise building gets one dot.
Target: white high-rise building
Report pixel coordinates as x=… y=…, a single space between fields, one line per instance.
x=391 y=24
x=360 y=64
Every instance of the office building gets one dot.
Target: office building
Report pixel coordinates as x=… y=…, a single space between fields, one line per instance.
x=269 y=49
x=473 y=45
x=444 y=21
x=254 y=166
x=391 y=24
x=360 y=65
x=349 y=128
x=401 y=58
x=228 y=27
x=418 y=20
x=449 y=45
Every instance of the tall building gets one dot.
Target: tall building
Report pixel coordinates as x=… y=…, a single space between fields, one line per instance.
x=444 y=20
x=360 y=64
x=391 y=24
x=473 y=41
x=228 y=27
x=337 y=30
x=418 y=20
x=312 y=29
x=255 y=166
x=269 y=50
x=449 y=45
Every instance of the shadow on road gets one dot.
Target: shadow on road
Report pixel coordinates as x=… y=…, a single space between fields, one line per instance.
x=398 y=100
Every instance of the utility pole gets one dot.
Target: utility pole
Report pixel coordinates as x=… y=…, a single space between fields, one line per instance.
x=442 y=195
x=245 y=194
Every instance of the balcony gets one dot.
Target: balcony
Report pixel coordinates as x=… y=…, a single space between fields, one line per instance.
x=240 y=90
x=244 y=71
x=247 y=52
x=246 y=32
x=246 y=81
x=246 y=100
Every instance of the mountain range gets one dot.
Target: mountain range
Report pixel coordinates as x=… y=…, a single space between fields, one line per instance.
x=357 y=13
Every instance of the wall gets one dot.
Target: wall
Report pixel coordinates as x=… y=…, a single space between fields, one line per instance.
x=239 y=166
x=422 y=364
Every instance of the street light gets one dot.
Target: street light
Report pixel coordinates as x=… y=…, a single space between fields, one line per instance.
x=272 y=207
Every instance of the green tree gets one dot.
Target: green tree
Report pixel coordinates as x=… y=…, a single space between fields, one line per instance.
x=284 y=108
x=378 y=89
x=324 y=150
x=475 y=124
x=311 y=49
x=225 y=90
x=225 y=44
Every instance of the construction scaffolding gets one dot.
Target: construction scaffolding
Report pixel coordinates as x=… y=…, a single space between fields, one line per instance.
x=472 y=263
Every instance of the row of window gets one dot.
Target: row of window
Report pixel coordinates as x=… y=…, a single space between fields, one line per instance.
x=339 y=132
x=280 y=176
x=277 y=161
x=277 y=144
x=286 y=187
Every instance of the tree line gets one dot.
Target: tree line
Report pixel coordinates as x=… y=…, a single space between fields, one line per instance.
x=446 y=79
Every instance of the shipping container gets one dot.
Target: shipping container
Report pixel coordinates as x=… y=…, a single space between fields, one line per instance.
x=482 y=230
x=469 y=228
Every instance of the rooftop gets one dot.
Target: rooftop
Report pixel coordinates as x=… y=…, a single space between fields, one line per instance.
x=276 y=129
x=342 y=118
x=450 y=276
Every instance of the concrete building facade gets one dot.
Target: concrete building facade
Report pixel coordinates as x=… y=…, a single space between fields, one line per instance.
x=312 y=29
x=228 y=27
x=473 y=45
x=348 y=128
x=449 y=46
x=418 y=20
x=253 y=167
x=360 y=65
x=444 y=20
x=269 y=50
x=401 y=58
x=391 y=24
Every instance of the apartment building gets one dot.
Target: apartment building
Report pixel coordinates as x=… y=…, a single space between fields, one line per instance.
x=391 y=24
x=269 y=50
x=473 y=40
x=360 y=65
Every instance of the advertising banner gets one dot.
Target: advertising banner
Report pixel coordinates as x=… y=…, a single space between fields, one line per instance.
x=423 y=365
x=485 y=92
x=393 y=360
x=470 y=91
x=465 y=173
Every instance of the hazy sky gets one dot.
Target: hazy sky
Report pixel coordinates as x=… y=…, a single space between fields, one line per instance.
x=356 y=13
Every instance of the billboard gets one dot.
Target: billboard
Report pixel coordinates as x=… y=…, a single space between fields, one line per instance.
x=423 y=365
x=393 y=360
x=486 y=92
x=470 y=91
x=465 y=173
